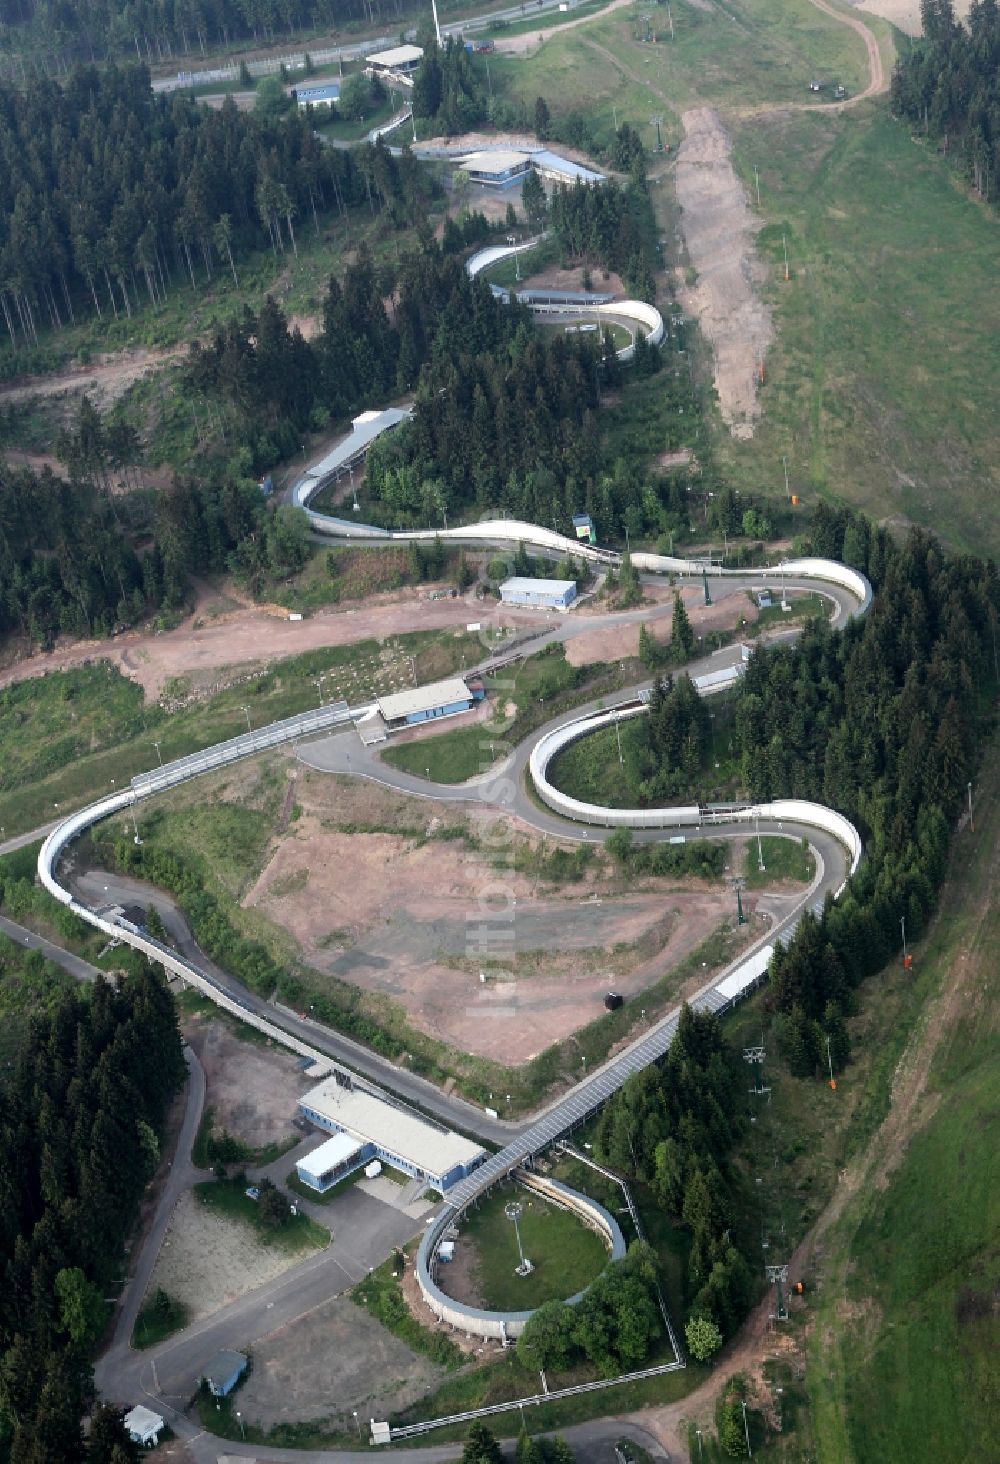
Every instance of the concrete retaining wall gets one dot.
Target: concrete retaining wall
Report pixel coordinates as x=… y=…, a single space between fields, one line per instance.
x=498 y=1326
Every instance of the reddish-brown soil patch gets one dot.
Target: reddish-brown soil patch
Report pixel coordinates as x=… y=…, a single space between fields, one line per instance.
x=415 y=920
x=617 y=641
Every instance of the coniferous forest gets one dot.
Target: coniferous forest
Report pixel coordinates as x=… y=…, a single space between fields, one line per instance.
x=82 y=30
x=881 y=721
x=81 y=1123
x=110 y=195
x=948 y=85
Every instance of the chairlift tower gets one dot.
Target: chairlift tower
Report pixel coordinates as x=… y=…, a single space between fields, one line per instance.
x=777 y=1276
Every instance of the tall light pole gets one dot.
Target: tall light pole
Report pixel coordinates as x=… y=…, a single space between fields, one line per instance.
x=972 y=826
x=746 y=1430
x=902 y=926
x=618 y=734
x=514 y=1211
x=159 y=754
x=243 y=1431
x=760 y=849
x=246 y=713
x=357 y=1421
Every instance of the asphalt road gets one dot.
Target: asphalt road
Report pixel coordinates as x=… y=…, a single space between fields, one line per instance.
x=77 y=967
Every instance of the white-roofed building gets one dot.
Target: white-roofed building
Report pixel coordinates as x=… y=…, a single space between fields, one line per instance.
x=496 y=167
x=426 y=703
x=143 y=1426
x=547 y=594
x=331 y=1162
x=394 y=1135
x=397 y=58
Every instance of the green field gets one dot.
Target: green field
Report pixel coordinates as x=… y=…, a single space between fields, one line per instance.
x=784 y=859
x=565 y=1253
x=882 y=379
x=745 y=51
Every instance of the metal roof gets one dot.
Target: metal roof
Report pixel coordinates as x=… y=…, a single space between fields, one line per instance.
x=526 y=584
x=396 y=56
x=141 y=1420
x=422 y=1144
x=424 y=698
x=335 y=1151
x=364 y=431
x=220 y=1370
x=500 y=161
x=551 y=162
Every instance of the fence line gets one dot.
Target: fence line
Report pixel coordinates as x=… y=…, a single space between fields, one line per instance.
x=413 y=1429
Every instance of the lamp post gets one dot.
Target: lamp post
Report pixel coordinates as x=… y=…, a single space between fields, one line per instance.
x=357 y=1422
x=159 y=754
x=513 y=1210
x=246 y=713
x=243 y=1431
x=760 y=849
x=746 y=1430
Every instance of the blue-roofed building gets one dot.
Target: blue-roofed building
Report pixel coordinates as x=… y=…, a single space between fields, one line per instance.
x=224 y=1372
x=324 y=94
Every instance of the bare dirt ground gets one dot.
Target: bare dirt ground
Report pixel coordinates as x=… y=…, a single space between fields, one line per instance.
x=207 y=1261
x=330 y=1362
x=251 y=1090
x=602 y=282
x=614 y=642
x=719 y=231
x=412 y=922
x=528 y=41
x=255 y=636
x=106 y=381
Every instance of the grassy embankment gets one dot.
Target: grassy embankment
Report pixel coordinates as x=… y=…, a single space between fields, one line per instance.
x=73 y=735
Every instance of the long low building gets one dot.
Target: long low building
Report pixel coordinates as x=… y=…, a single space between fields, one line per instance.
x=547 y=594
x=426 y=703
x=397 y=58
x=394 y=1135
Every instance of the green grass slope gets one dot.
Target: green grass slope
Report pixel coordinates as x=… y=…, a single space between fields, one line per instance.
x=882 y=380
x=902 y=1362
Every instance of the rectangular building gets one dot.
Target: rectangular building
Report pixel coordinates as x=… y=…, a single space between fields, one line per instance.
x=397 y=58
x=394 y=1135
x=425 y=703
x=331 y=1162
x=546 y=594
x=497 y=169
x=324 y=94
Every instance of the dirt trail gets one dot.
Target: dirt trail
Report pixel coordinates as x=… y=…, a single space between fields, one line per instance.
x=521 y=45
x=106 y=381
x=719 y=231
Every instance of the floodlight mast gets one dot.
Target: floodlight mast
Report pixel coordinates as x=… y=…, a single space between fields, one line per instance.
x=437 y=27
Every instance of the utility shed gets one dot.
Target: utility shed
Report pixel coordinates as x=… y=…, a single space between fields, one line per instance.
x=548 y=594
x=425 y=703
x=143 y=1426
x=224 y=1372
